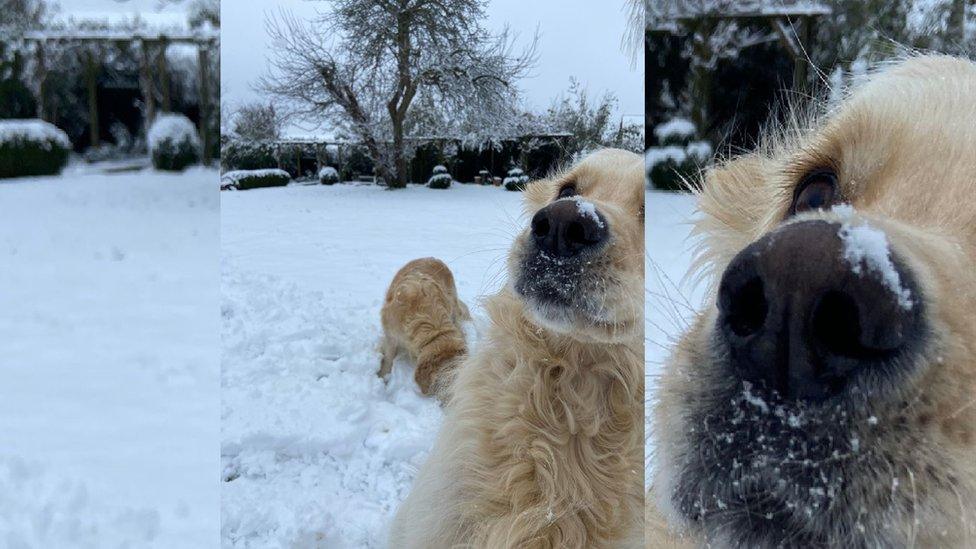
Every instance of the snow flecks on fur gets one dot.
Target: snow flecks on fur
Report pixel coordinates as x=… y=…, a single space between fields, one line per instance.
x=866 y=247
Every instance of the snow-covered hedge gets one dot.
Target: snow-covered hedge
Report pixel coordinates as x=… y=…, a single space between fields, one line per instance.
x=516 y=180
x=241 y=155
x=668 y=167
x=328 y=176
x=253 y=179
x=32 y=147
x=441 y=179
x=173 y=142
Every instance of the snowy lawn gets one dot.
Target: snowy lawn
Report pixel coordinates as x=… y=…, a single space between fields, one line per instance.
x=672 y=298
x=316 y=450
x=108 y=400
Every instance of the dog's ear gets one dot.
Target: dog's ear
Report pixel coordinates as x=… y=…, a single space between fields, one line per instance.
x=738 y=201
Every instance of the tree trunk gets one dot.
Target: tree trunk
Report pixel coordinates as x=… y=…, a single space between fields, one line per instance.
x=399 y=159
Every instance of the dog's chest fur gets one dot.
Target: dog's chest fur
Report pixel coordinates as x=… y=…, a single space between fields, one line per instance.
x=557 y=431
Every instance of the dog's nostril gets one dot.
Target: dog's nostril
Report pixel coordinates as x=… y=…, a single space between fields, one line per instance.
x=836 y=328
x=576 y=233
x=748 y=308
x=540 y=227
x=835 y=325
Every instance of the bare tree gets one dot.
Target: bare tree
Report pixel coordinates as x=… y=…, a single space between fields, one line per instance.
x=257 y=122
x=364 y=62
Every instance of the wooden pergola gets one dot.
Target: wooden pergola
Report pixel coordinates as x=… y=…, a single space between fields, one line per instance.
x=151 y=69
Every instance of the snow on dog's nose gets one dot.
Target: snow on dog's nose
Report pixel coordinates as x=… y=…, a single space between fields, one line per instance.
x=808 y=306
x=567 y=227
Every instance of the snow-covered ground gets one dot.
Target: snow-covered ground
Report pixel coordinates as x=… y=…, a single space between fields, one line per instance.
x=316 y=450
x=108 y=400
x=672 y=297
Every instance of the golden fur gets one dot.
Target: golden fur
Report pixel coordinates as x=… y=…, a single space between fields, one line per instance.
x=904 y=147
x=422 y=316
x=542 y=442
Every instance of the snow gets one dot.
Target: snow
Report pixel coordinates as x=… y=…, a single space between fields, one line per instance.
x=701 y=150
x=109 y=401
x=327 y=171
x=316 y=449
x=655 y=155
x=671 y=298
x=174 y=128
x=586 y=209
x=867 y=247
x=34 y=130
x=680 y=127
x=236 y=175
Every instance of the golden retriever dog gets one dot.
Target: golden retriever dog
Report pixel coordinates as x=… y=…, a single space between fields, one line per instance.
x=422 y=316
x=542 y=441
x=825 y=395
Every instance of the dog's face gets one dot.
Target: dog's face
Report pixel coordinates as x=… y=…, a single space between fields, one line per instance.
x=826 y=395
x=579 y=266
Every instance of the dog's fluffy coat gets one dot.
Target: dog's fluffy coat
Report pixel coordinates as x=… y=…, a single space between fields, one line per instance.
x=422 y=316
x=904 y=147
x=542 y=440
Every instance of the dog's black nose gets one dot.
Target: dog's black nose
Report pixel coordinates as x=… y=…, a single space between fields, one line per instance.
x=802 y=311
x=567 y=227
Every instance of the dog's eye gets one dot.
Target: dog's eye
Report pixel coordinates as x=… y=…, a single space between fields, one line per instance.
x=568 y=190
x=817 y=191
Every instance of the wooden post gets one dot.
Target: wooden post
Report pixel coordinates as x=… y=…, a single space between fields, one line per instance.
x=42 y=79
x=91 y=83
x=204 y=61
x=163 y=70
x=145 y=77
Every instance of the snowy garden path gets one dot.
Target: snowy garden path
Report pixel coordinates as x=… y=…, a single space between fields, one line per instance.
x=316 y=449
x=108 y=404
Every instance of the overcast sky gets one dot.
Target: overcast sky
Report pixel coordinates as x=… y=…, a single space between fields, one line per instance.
x=579 y=38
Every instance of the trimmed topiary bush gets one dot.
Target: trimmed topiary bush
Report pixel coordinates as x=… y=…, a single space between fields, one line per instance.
x=440 y=179
x=173 y=142
x=242 y=180
x=485 y=176
x=32 y=147
x=328 y=176
x=669 y=167
x=516 y=180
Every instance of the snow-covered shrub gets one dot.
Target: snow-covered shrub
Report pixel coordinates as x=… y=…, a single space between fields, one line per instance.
x=243 y=180
x=441 y=179
x=244 y=155
x=32 y=147
x=328 y=176
x=485 y=176
x=516 y=180
x=173 y=142
x=677 y=131
x=668 y=167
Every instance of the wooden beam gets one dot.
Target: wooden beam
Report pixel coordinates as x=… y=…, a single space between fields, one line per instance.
x=91 y=83
x=163 y=70
x=42 y=87
x=203 y=59
x=146 y=83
